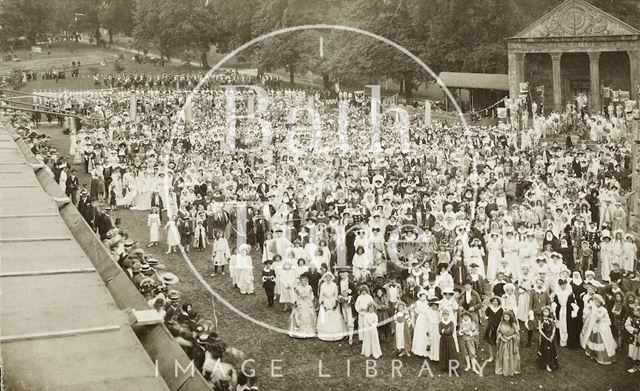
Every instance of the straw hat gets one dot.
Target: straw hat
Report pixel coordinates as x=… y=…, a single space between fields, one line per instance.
x=169 y=278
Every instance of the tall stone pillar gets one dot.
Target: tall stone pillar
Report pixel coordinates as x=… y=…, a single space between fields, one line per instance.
x=513 y=76
x=594 y=67
x=520 y=68
x=634 y=69
x=557 y=87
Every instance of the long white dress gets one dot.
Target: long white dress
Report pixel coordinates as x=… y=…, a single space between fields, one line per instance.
x=597 y=338
x=145 y=187
x=370 y=341
x=245 y=273
x=331 y=326
x=494 y=249
x=606 y=256
x=433 y=332
x=287 y=277
x=153 y=222
x=362 y=303
x=303 y=321
x=173 y=236
x=419 y=345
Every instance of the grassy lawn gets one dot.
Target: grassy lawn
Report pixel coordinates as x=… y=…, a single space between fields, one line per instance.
x=300 y=358
x=91 y=56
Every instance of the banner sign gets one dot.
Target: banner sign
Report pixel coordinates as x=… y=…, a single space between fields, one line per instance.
x=624 y=95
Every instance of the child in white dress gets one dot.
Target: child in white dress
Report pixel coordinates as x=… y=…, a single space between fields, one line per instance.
x=370 y=340
x=221 y=253
x=153 y=222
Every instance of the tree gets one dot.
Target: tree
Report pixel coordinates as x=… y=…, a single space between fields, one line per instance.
x=24 y=18
x=117 y=16
x=176 y=27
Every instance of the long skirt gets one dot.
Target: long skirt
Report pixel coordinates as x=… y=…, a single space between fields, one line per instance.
x=547 y=354
x=595 y=349
x=302 y=323
x=331 y=325
x=447 y=351
x=508 y=358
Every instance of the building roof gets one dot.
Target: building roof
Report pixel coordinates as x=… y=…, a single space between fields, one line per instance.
x=61 y=329
x=483 y=81
x=578 y=19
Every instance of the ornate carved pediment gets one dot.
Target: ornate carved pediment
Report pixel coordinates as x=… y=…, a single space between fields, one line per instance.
x=577 y=18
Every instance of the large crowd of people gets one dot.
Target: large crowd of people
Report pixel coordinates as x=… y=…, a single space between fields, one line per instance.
x=469 y=232
x=196 y=334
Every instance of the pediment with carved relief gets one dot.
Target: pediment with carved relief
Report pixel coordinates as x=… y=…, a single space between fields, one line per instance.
x=577 y=18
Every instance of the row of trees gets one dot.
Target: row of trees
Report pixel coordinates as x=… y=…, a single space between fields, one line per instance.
x=34 y=20
x=455 y=35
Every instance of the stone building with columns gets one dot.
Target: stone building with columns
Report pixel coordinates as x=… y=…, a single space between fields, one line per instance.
x=575 y=49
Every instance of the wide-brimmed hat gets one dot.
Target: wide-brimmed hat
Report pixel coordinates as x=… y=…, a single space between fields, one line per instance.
x=169 y=278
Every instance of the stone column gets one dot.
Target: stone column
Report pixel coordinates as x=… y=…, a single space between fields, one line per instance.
x=513 y=76
x=520 y=68
x=634 y=69
x=594 y=66
x=557 y=87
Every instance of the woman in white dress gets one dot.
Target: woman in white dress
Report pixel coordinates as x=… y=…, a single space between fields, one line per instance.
x=287 y=277
x=331 y=325
x=73 y=139
x=153 y=222
x=597 y=338
x=244 y=266
x=371 y=341
x=173 y=236
x=607 y=251
x=360 y=264
x=62 y=181
x=433 y=330
x=303 y=321
x=129 y=191
x=494 y=249
x=145 y=188
x=362 y=305
x=420 y=343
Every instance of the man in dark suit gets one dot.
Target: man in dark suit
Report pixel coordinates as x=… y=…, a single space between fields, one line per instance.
x=471 y=301
x=156 y=201
x=103 y=222
x=314 y=278
x=72 y=185
x=347 y=292
x=410 y=291
x=84 y=206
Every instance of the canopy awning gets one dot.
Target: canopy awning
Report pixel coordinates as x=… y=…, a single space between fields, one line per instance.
x=483 y=81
